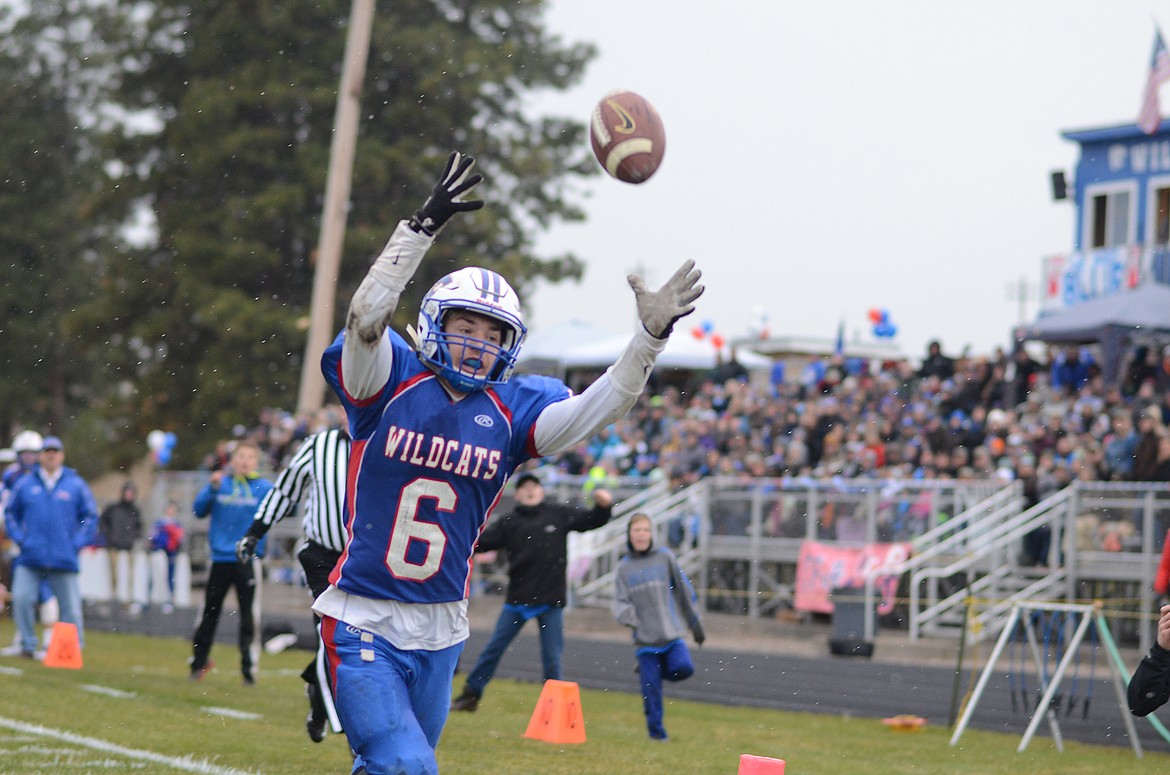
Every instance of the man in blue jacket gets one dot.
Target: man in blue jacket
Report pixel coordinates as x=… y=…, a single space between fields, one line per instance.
x=231 y=501
x=51 y=515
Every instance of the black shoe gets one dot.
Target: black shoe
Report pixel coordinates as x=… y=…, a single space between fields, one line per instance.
x=467 y=701
x=315 y=721
x=249 y=679
x=198 y=673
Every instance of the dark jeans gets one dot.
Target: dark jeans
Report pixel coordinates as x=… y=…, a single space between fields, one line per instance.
x=552 y=643
x=1037 y=545
x=223 y=576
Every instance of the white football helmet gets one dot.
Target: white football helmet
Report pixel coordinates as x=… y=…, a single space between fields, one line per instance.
x=27 y=441
x=476 y=290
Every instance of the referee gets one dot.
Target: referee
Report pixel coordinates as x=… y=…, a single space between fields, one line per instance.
x=316 y=475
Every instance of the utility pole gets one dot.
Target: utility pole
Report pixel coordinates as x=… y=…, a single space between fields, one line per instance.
x=334 y=210
x=1021 y=293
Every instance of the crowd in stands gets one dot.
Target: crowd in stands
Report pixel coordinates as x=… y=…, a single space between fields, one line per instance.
x=1045 y=422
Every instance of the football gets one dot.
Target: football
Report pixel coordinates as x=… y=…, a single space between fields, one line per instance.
x=627 y=136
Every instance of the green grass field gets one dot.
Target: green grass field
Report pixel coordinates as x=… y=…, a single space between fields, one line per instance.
x=131 y=708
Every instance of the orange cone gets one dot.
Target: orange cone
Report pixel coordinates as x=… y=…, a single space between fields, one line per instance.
x=558 y=717
x=760 y=765
x=64 y=649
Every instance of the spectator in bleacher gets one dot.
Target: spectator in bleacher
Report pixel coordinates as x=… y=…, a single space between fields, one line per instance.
x=935 y=364
x=1071 y=370
x=1161 y=471
x=1009 y=410
x=1020 y=374
x=1051 y=477
x=1145 y=456
x=1140 y=367
x=217 y=460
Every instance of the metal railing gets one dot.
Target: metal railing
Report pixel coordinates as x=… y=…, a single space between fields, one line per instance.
x=740 y=540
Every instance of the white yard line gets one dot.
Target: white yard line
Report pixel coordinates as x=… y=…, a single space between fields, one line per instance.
x=232 y=713
x=185 y=763
x=108 y=692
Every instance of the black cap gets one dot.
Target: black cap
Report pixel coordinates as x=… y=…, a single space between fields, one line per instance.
x=527 y=477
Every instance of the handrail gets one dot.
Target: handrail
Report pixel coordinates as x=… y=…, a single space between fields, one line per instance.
x=606 y=544
x=1000 y=537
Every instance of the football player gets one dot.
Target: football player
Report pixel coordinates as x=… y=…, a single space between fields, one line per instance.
x=438 y=427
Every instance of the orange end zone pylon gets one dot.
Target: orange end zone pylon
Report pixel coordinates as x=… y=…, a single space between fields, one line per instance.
x=64 y=649
x=558 y=717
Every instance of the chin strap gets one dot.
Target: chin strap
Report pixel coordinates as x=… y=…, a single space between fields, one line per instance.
x=412 y=335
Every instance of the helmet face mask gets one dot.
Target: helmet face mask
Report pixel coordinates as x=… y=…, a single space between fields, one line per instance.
x=482 y=292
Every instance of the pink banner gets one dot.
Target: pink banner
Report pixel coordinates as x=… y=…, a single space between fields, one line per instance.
x=825 y=567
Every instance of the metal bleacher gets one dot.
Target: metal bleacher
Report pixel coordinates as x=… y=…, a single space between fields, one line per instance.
x=740 y=541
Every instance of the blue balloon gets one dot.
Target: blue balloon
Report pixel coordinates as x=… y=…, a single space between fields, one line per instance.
x=170 y=440
x=708 y=326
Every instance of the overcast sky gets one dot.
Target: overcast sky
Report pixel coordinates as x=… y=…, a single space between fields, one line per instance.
x=826 y=159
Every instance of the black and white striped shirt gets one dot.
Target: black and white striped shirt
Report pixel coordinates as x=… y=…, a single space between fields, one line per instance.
x=316 y=473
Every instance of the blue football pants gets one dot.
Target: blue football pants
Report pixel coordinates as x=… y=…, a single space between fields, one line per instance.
x=392 y=703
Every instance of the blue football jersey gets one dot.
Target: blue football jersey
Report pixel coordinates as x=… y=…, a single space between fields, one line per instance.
x=424 y=474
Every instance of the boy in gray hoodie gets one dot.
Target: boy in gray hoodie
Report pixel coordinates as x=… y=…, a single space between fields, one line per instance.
x=653 y=597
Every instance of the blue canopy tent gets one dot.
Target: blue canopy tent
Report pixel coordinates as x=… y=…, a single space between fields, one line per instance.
x=1114 y=322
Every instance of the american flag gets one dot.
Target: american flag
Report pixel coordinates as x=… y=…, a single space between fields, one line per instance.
x=1150 y=117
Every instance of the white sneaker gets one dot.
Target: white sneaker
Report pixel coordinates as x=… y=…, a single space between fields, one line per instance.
x=11 y=651
x=279 y=643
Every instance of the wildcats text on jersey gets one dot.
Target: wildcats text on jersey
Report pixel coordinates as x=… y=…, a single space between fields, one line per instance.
x=450 y=455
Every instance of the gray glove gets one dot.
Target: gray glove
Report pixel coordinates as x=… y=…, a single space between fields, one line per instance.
x=658 y=310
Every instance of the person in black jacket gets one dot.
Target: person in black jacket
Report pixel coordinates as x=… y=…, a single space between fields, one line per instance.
x=1149 y=688
x=535 y=536
x=120 y=524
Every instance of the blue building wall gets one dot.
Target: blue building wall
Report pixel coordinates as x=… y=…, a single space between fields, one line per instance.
x=1116 y=241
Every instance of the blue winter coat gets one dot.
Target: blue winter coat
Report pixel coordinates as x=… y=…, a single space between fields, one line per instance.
x=231 y=509
x=51 y=525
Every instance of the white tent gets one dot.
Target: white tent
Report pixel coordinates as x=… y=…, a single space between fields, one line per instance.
x=682 y=352
x=549 y=344
x=543 y=349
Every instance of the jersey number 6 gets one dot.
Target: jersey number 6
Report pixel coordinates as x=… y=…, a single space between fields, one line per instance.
x=407 y=528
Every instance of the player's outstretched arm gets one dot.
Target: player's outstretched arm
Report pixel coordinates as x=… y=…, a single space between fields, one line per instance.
x=365 y=355
x=565 y=423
